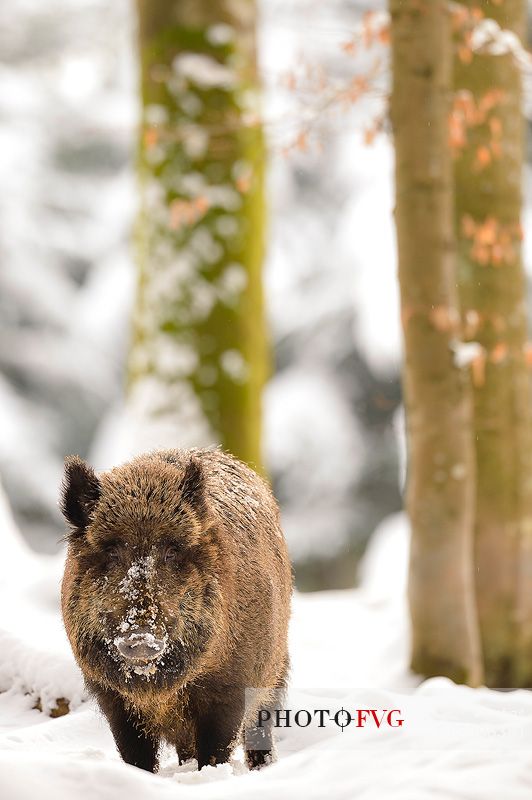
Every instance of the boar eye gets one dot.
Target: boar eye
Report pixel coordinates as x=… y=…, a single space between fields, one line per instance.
x=112 y=554
x=171 y=554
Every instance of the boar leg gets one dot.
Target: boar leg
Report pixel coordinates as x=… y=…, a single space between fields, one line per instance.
x=217 y=733
x=259 y=743
x=185 y=743
x=259 y=739
x=135 y=745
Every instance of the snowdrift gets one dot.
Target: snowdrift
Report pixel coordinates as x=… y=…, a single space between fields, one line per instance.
x=349 y=650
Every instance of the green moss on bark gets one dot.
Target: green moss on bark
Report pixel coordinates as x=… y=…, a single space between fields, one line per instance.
x=488 y=175
x=199 y=321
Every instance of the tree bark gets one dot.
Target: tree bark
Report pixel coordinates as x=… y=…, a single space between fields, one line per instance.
x=441 y=471
x=488 y=174
x=199 y=352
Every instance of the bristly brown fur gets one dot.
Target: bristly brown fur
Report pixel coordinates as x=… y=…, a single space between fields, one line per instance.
x=221 y=603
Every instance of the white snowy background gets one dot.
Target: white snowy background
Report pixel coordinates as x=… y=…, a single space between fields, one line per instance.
x=68 y=110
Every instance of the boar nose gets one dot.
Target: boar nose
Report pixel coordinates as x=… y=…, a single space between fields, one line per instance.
x=141 y=645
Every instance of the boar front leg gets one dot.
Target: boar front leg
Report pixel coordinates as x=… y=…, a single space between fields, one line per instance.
x=135 y=745
x=217 y=732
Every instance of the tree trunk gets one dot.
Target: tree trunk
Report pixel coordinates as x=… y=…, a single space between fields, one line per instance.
x=441 y=472
x=199 y=354
x=488 y=174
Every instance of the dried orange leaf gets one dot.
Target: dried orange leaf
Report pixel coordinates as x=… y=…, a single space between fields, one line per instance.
x=468 y=226
x=487 y=233
x=442 y=318
x=465 y=54
x=384 y=34
x=483 y=156
x=151 y=137
x=350 y=47
x=369 y=135
x=472 y=323
x=499 y=353
x=495 y=126
x=478 y=369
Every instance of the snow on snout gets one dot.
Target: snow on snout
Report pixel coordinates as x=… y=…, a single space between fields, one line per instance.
x=142 y=639
x=141 y=573
x=147 y=639
x=138 y=587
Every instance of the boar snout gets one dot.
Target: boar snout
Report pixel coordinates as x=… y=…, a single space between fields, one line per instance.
x=140 y=646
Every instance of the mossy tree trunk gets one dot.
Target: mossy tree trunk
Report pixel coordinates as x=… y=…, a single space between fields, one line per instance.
x=441 y=471
x=199 y=353
x=488 y=174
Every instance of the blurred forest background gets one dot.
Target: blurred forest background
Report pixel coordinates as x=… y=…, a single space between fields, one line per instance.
x=107 y=349
x=69 y=116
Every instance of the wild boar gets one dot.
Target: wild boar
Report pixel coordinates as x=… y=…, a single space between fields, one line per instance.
x=175 y=599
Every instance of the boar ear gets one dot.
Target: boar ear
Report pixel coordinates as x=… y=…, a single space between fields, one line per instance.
x=193 y=488
x=79 y=493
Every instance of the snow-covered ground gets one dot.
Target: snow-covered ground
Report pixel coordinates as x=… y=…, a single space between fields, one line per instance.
x=349 y=649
